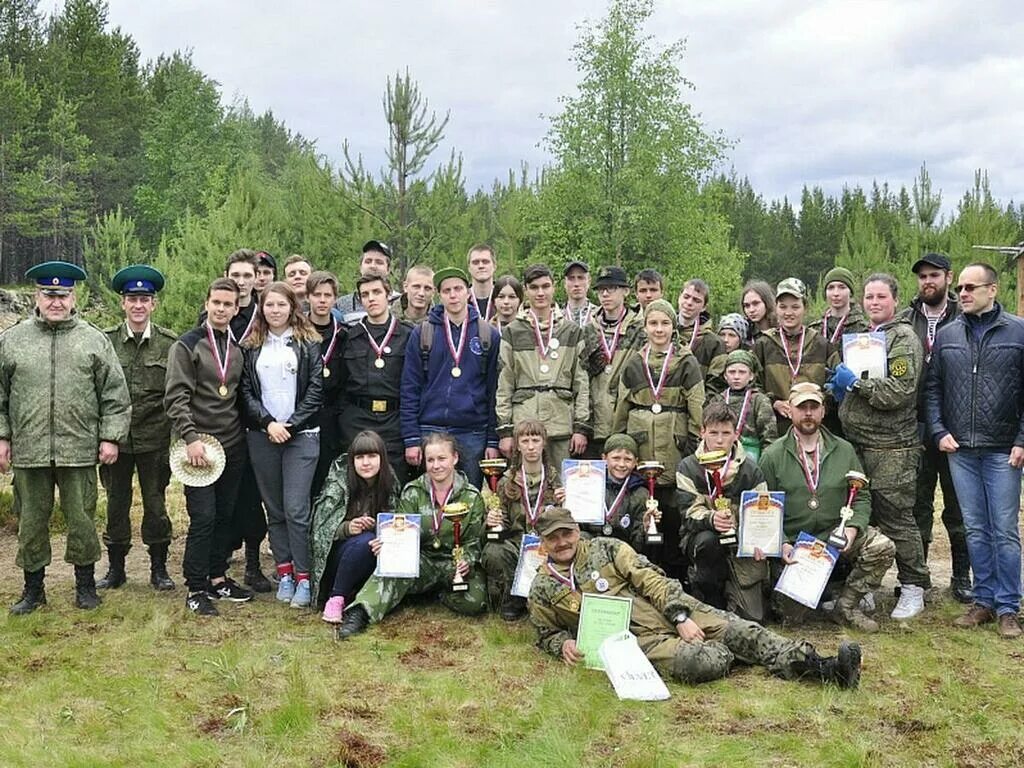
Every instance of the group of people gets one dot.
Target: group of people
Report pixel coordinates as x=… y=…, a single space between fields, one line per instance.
x=326 y=408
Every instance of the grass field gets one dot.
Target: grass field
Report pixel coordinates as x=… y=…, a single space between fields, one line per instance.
x=142 y=683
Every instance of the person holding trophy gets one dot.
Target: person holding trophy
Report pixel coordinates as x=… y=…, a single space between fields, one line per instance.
x=452 y=515
x=625 y=497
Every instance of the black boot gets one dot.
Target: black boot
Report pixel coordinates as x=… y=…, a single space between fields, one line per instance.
x=253 y=575
x=356 y=620
x=513 y=608
x=33 y=595
x=158 y=576
x=115 y=576
x=960 y=583
x=843 y=669
x=85 y=588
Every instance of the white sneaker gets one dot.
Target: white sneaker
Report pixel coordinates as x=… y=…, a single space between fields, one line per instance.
x=911 y=602
x=867 y=603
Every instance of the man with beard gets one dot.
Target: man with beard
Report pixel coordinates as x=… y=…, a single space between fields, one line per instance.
x=934 y=307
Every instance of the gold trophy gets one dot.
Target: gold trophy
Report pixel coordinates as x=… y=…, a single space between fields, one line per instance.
x=493 y=469
x=652 y=470
x=855 y=480
x=455 y=512
x=713 y=462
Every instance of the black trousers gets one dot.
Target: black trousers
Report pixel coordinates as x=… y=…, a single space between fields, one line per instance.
x=248 y=519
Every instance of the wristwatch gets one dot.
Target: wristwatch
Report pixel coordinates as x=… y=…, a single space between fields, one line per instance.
x=682 y=616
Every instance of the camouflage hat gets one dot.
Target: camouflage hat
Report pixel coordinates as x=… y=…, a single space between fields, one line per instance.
x=611 y=277
x=553 y=519
x=660 y=305
x=742 y=357
x=792 y=286
x=804 y=391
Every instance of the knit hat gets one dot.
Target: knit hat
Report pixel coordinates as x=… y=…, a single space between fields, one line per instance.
x=621 y=442
x=734 y=322
x=660 y=305
x=839 y=275
x=741 y=356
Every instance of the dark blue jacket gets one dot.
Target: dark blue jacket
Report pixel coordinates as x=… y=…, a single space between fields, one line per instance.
x=432 y=396
x=974 y=387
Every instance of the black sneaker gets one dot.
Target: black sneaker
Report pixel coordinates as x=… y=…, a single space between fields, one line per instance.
x=201 y=604
x=231 y=590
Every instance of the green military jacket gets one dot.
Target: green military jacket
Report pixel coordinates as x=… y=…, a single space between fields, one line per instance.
x=510 y=492
x=144 y=363
x=657 y=599
x=831 y=328
x=674 y=432
x=415 y=500
x=62 y=392
x=775 y=376
x=758 y=427
x=782 y=471
x=604 y=383
x=882 y=413
x=560 y=397
x=706 y=345
x=694 y=486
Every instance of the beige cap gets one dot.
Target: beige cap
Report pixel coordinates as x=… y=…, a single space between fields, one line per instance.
x=804 y=391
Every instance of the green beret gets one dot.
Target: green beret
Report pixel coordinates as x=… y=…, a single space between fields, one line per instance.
x=621 y=442
x=443 y=274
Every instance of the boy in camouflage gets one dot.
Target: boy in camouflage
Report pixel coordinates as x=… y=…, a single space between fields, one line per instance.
x=755 y=421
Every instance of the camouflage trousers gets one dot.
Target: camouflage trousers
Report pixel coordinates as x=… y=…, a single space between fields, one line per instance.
x=499 y=562
x=381 y=595
x=866 y=563
x=727 y=639
x=33 y=503
x=893 y=476
x=718 y=577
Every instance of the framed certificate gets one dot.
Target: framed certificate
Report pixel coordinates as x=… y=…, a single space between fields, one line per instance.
x=805 y=580
x=531 y=557
x=601 y=617
x=864 y=353
x=760 y=523
x=584 y=490
x=399 y=556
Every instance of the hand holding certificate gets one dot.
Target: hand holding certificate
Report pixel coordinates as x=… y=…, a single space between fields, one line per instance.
x=601 y=617
x=761 y=514
x=584 y=489
x=399 y=555
x=865 y=354
x=531 y=557
x=805 y=579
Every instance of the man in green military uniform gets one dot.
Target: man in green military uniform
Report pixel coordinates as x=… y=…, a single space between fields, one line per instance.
x=142 y=348
x=684 y=638
x=63 y=407
x=810 y=464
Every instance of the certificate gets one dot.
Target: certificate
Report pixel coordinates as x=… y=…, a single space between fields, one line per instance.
x=805 y=580
x=631 y=673
x=601 y=617
x=584 y=490
x=760 y=523
x=531 y=558
x=399 y=556
x=864 y=353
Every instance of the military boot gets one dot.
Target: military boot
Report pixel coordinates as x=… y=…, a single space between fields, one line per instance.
x=158 y=576
x=115 y=576
x=356 y=620
x=85 y=588
x=960 y=584
x=253 y=575
x=33 y=595
x=848 y=613
x=513 y=608
x=843 y=669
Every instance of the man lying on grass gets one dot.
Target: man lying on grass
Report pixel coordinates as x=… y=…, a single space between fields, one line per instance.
x=683 y=637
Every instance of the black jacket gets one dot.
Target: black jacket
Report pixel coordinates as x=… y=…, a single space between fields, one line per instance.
x=974 y=388
x=308 y=391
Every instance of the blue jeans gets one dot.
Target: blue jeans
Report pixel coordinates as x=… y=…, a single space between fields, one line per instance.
x=356 y=563
x=472 y=445
x=988 y=490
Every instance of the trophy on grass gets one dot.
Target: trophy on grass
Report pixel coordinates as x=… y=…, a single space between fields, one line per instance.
x=493 y=469
x=855 y=481
x=652 y=471
x=713 y=462
x=455 y=512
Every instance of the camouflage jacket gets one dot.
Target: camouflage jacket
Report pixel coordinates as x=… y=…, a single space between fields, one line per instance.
x=330 y=518
x=144 y=363
x=776 y=377
x=510 y=493
x=705 y=344
x=759 y=427
x=415 y=500
x=627 y=520
x=604 y=383
x=560 y=397
x=882 y=413
x=831 y=329
x=657 y=599
x=694 y=487
x=782 y=471
x=62 y=392
x=674 y=432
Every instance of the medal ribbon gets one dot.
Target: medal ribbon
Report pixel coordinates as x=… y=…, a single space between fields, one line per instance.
x=696 y=331
x=542 y=346
x=741 y=420
x=437 y=510
x=793 y=369
x=335 y=327
x=656 y=390
x=609 y=513
x=532 y=508
x=569 y=582
x=456 y=352
x=476 y=305
x=606 y=350
x=812 y=476
x=722 y=474
x=248 y=328
x=222 y=366
x=379 y=348
x=839 y=328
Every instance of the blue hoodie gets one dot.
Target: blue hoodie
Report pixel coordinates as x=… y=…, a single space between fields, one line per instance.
x=434 y=397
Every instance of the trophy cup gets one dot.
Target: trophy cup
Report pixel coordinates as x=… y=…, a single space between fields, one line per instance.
x=493 y=469
x=652 y=470
x=712 y=462
x=855 y=480
x=455 y=512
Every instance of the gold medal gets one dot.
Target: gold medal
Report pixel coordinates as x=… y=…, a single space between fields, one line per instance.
x=223 y=390
x=456 y=372
x=378 y=363
x=327 y=373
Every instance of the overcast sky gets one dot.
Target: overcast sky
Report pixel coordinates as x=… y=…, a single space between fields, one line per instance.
x=822 y=93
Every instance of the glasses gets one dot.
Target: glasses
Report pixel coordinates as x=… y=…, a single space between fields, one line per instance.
x=970 y=287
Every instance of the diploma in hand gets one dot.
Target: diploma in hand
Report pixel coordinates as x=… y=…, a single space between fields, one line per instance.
x=455 y=512
x=806 y=578
x=652 y=471
x=714 y=462
x=399 y=556
x=493 y=469
x=531 y=557
x=865 y=355
x=601 y=617
x=584 y=490
x=855 y=481
x=761 y=514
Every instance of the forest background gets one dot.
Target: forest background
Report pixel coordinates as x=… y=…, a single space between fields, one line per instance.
x=106 y=160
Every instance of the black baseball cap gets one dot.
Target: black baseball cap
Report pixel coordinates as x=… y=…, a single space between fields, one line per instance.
x=377 y=245
x=933 y=260
x=573 y=264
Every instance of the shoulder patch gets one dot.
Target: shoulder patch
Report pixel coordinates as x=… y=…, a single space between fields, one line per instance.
x=899 y=367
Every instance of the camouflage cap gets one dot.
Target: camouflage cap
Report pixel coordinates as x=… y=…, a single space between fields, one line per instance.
x=804 y=391
x=611 y=277
x=553 y=519
x=792 y=286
